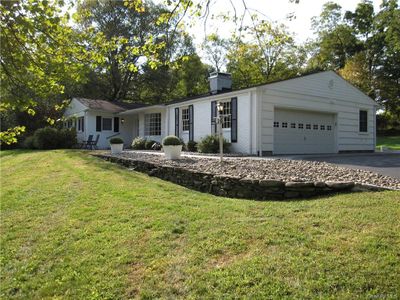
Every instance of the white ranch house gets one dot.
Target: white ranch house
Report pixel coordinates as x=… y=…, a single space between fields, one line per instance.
x=317 y=113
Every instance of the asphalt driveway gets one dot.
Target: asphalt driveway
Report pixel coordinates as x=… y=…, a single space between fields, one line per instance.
x=383 y=163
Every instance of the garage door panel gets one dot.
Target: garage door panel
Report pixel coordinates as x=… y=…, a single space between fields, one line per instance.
x=302 y=132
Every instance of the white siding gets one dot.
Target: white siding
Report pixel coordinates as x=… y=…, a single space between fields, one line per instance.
x=103 y=142
x=324 y=92
x=202 y=120
x=126 y=130
x=75 y=109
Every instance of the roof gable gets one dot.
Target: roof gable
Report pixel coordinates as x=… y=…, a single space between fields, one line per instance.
x=325 y=84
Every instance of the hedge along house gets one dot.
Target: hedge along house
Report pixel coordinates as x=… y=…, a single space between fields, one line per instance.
x=311 y=114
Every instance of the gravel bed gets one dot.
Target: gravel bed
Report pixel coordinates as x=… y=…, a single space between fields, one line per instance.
x=277 y=169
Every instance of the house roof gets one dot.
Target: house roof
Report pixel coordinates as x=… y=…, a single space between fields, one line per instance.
x=224 y=91
x=113 y=107
x=117 y=107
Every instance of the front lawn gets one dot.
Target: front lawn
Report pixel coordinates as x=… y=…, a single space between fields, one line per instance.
x=390 y=142
x=76 y=227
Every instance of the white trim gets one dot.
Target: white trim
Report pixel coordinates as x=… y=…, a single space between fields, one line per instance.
x=142 y=109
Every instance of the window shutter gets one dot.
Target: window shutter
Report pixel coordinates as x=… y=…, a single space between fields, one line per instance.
x=98 y=123
x=191 y=123
x=116 y=124
x=83 y=124
x=79 y=124
x=177 y=121
x=234 y=120
x=363 y=121
x=213 y=117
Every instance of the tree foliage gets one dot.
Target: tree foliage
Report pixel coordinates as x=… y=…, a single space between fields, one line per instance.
x=263 y=53
x=136 y=50
x=40 y=56
x=215 y=49
x=364 y=47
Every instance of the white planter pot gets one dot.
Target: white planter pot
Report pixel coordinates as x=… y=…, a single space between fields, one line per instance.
x=116 y=148
x=172 y=152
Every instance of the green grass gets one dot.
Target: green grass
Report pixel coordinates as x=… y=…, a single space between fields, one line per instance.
x=75 y=227
x=390 y=142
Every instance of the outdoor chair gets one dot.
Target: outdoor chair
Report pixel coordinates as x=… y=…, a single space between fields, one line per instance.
x=84 y=144
x=93 y=144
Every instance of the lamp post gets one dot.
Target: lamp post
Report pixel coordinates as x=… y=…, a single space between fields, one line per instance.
x=220 y=110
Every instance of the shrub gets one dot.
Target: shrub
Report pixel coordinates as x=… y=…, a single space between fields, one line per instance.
x=139 y=143
x=68 y=138
x=171 y=140
x=29 y=142
x=149 y=144
x=191 y=146
x=210 y=144
x=52 y=138
x=116 y=140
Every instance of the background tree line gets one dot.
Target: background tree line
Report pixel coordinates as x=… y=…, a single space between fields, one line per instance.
x=141 y=52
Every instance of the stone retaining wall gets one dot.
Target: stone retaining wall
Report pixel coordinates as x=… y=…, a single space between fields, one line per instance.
x=236 y=187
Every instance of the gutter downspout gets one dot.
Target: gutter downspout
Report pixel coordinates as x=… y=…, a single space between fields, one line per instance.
x=258 y=114
x=251 y=124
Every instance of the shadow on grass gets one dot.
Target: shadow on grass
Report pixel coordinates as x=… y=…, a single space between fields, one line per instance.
x=15 y=152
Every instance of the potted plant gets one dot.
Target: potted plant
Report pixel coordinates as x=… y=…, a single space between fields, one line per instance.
x=117 y=144
x=172 y=147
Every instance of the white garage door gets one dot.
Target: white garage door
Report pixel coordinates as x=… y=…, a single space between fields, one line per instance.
x=302 y=132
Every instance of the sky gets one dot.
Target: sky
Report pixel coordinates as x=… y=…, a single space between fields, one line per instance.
x=271 y=10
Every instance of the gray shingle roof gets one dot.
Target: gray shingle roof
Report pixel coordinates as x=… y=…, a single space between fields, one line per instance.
x=113 y=107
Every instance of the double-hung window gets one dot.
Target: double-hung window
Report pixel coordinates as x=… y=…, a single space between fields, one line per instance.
x=363 y=121
x=227 y=114
x=185 y=119
x=81 y=124
x=152 y=124
x=107 y=124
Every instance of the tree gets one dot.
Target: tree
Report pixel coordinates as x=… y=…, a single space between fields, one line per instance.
x=267 y=55
x=356 y=71
x=120 y=39
x=387 y=23
x=185 y=77
x=215 y=49
x=245 y=65
x=138 y=50
x=40 y=55
x=336 y=41
x=368 y=51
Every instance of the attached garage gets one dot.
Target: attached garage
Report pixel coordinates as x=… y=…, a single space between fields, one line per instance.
x=315 y=114
x=303 y=132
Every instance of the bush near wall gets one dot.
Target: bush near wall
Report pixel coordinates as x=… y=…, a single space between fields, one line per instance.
x=139 y=143
x=51 y=138
x=210 y=144
x=191 y=146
